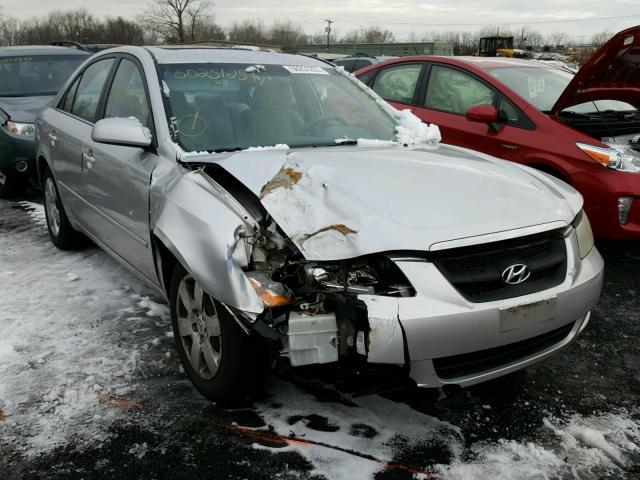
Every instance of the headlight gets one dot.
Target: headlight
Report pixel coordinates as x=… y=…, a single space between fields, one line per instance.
x=584 y=235
x=616 y=157
x=23 y=129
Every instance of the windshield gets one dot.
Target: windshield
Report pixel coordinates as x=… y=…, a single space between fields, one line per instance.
x=34 y=75
x=539 y=86
x=218 y=107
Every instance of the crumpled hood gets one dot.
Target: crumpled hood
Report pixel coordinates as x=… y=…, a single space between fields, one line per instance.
x=336 y=203
x=24 y=109
x=611 y=73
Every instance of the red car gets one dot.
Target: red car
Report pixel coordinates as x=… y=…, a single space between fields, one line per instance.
x=584 y=129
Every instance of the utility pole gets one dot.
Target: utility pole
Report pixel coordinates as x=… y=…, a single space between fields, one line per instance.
x=328 y=30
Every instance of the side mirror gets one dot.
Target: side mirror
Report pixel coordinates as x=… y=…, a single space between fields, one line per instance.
x=126 y=132
x=483 y=113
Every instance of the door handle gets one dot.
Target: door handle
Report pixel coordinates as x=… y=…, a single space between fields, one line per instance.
x=89 y=158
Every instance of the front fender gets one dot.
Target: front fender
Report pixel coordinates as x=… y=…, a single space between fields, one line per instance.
x=199 y=226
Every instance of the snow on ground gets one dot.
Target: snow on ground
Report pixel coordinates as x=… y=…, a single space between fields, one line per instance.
x=73 y=325
x=592 y=447
x=369 y=426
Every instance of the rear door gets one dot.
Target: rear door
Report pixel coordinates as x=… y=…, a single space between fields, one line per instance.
x=399 y=84
x=69 y=125
x=116 y=179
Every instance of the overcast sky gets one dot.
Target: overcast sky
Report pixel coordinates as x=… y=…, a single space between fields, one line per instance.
x=399 y=16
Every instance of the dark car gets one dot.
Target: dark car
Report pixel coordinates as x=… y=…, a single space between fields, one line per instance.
x=351 y=64
x=582 y=128
x=29 y=79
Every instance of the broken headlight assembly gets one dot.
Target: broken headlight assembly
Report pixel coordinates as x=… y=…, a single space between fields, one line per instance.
x=616 y=157
x=584 y=235
x=370 y=275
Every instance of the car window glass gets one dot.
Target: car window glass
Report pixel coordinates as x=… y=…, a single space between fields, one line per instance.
x=69 y=96
x=89 y=90
x=361 y=64
x=35 y=75
x=455 y=91
x=398 y=83
x=364 y=78
x=127 y=97
x=507 y=111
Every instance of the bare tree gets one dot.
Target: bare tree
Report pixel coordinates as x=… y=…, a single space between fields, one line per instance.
x=121 y=31
x=249 y=31
x=558 y=38
x=370 y=34
x=178 y=20
x=286 y=34
x=599 y=39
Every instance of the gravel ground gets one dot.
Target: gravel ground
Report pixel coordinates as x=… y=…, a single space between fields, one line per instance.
x=90 y=387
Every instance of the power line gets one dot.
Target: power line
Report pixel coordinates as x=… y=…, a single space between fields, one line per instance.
x=523 y=22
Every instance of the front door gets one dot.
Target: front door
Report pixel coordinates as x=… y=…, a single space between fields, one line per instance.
x=116 y=179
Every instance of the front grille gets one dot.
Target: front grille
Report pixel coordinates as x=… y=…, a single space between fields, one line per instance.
x=485 y=360
x=476 y=271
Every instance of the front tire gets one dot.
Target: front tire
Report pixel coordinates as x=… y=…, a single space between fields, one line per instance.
x=223 y=362
x=62 y=234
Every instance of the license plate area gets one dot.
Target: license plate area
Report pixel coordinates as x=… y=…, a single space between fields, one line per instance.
x=520 y=316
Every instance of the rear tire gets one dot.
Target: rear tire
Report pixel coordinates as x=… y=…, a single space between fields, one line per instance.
x=223 y=362
x=11 y=184
x=62 y=234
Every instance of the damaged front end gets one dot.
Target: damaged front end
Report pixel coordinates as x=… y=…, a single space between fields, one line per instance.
x=313 y=312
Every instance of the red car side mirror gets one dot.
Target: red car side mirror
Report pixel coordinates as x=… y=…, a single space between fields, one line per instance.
x=484 y=113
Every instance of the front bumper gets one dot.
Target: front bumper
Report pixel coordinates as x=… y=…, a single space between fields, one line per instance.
x=601 y=191
x=15 y=148
x=439 y=324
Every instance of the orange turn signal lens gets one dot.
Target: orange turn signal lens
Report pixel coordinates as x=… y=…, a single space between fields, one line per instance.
x=271 y=293
x=604 y=156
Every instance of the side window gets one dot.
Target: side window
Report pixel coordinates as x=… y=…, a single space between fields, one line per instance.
x=67 y=102
x=509 y=114
x=361 y=64
x=398 y=83
x=90 y=88
x=454 y=91
x=127 y=97
x=347 y=64
x=364 y=78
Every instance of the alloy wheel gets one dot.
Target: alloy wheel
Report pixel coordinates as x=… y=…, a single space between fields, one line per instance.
x=199 y=328
x=51 y=205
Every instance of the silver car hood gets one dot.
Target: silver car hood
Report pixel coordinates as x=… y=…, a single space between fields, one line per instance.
x=336 y=203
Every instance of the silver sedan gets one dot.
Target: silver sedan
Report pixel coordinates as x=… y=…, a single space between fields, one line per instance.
x=284 y=210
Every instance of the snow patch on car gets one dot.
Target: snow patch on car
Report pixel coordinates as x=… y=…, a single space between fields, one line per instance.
x=410 y=129
x=278 y=146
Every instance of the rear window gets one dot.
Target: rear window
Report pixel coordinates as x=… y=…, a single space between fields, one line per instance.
x=33 y=75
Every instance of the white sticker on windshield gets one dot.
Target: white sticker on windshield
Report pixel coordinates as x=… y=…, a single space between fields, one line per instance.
x=628 y=40
x=302 y=69
x=536 y=86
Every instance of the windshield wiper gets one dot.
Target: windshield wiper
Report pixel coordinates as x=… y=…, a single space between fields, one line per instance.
x=344 y=142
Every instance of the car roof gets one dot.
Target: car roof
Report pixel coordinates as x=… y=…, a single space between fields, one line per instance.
x=179 y=54
x=40 y=50
x=497 y=62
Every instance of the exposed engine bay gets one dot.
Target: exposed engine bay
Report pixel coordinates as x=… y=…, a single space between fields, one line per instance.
x=313 y=313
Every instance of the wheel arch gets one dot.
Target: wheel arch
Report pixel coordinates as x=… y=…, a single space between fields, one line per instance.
x=193 y=226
